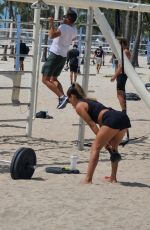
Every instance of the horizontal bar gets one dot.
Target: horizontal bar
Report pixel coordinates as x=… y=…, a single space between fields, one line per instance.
x=12 y=104
x=15 y=22
x=14 y=120
x=6 y=20
x=15 y=87
x=13 y=72
x=86 y=24
x=12 y=38
x=15 y=29
x=46 y=19
x=14 y=55
x=108 y=4
x=90 y=74
x=91 y=91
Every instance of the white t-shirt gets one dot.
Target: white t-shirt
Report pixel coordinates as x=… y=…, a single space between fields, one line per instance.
x=60 y=45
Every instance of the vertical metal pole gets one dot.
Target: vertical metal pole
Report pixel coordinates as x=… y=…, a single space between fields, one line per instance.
x=10 y=31
x=18 y=43
x=36 y=28
x=79 y=48
x=86 y=70
x=65 y=9
x=38 y=68
x=17 y=78
x=80 y=40
x=56 y=12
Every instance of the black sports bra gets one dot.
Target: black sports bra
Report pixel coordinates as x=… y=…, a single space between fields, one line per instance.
x=94 y=109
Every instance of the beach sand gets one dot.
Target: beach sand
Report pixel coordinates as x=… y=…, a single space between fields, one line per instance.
x=53 y=202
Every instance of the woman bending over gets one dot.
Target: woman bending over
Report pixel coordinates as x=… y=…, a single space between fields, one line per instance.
x=108 y=125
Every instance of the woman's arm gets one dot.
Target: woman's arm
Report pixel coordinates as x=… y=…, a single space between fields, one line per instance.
x=81 y=109
x=118 y=71
x=127 y=53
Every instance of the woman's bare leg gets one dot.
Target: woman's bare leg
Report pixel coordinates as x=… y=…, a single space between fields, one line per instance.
x=122 y=99
x=75 y=77
x=115 y=141
x=71 y=77
x=104 y=135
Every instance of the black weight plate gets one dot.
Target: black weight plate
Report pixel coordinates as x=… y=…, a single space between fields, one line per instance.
x=13 y=160
x=22 y=164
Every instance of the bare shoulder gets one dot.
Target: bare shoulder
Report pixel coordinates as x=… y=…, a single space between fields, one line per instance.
x=81 y=107
x=81 y=104
x=82 y=110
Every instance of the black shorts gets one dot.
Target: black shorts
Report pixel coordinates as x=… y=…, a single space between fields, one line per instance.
x=116 y=120
x=74 y=68
x=21 y=58
x=121 y=82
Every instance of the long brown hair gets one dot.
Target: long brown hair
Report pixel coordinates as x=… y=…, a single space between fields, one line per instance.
x=78 y=91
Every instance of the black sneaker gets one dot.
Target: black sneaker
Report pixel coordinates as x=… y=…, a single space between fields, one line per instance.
x=62 y=102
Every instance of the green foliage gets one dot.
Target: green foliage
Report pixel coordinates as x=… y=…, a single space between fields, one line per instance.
x=2 y=6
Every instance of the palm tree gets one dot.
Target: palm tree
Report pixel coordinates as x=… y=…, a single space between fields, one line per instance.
x=13 y=9
x=9 y=8
x=2 y=6
x=134 y=57
x=140 y=26
x=46 y=24
x=128 y=25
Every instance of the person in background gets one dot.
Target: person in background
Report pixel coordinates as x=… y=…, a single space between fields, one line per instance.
x=114 y=61
x=108 y=125
x=24 y=49
x=121 y=77
x=99 y=55
x=62 y=38
x=73 y=61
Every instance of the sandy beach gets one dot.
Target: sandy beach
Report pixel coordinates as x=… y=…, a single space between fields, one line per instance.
x=53 y=202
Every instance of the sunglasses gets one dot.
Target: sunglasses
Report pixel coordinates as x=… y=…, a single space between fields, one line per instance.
x=66 y=16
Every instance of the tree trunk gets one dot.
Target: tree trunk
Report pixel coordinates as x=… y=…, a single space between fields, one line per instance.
x=148 y=20
x=11 y=16
x=4 y=58
x=128 y=26
x=134 y=57
x=117 y=23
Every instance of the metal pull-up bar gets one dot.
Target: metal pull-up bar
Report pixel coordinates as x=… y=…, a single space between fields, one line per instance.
x=108 y=4
x=128 y=6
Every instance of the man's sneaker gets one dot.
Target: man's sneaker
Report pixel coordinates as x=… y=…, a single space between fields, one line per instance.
x=62 y=102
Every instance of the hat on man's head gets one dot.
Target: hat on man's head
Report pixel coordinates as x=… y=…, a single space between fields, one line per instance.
x=72 y=14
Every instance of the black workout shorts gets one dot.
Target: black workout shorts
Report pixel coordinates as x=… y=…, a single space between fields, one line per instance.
x=74 y=68
x=121 y=82
x=21 y=58
x=116 y=120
